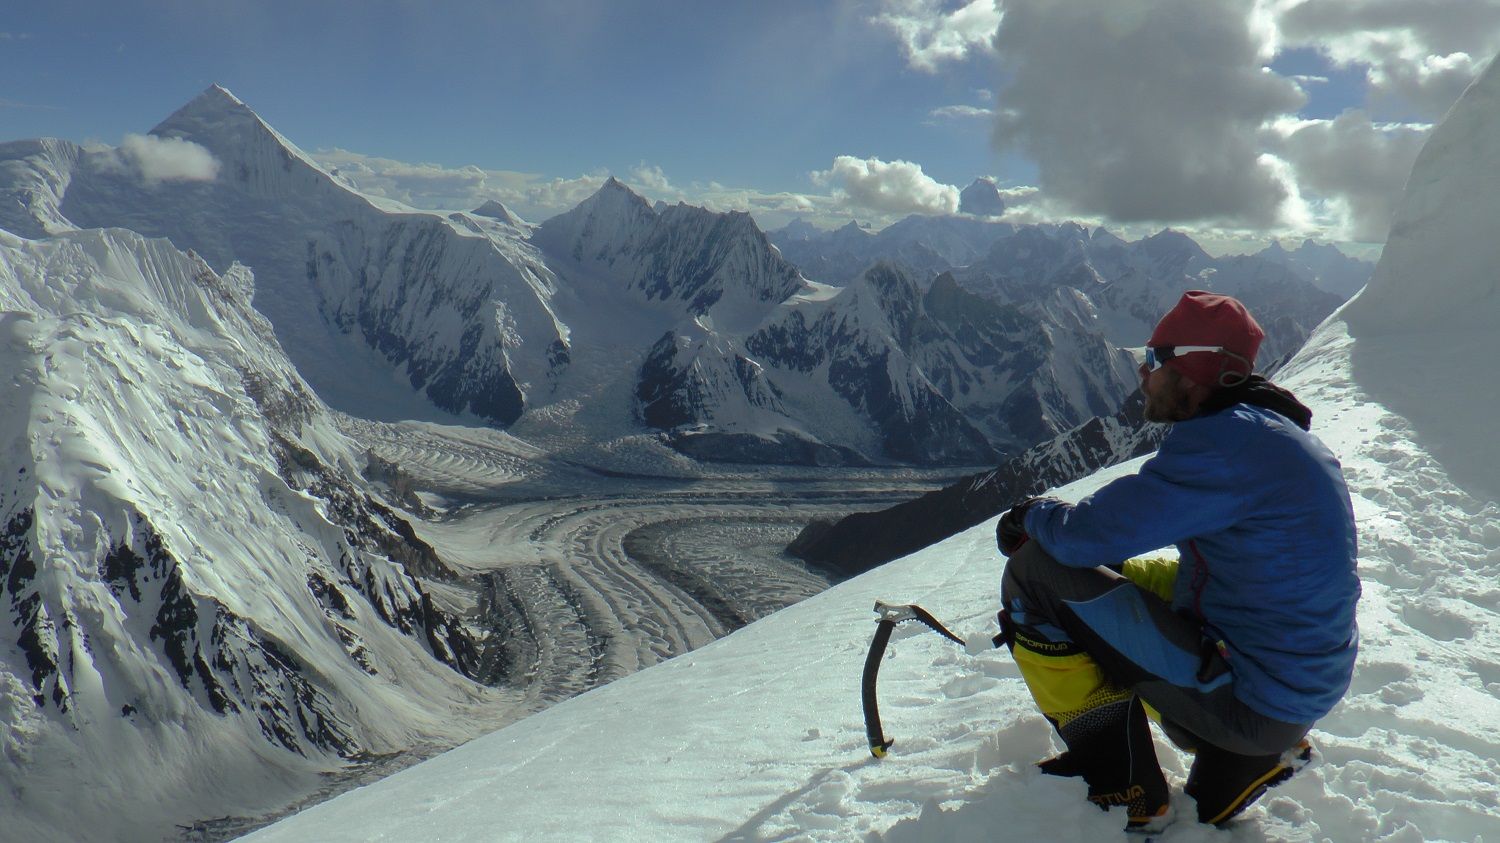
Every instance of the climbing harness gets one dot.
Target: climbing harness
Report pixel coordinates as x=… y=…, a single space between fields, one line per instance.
x=890 y=616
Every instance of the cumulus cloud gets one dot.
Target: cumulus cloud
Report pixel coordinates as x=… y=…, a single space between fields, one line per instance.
x=1145 y=110
x=433 y=185
x=931 y=35
x=651 y=178
x=555 y=195
x=158 y=159
x=1356 y=167
x=1418 y=55
x=887 y=187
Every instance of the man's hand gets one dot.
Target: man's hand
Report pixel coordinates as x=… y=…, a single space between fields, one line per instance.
x=1010 y=533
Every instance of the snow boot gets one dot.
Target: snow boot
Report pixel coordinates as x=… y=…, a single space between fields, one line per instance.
x=1103 y=725
x=1110 y=747
x=1224 y=783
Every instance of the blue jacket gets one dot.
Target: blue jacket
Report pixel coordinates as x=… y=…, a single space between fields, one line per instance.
x=1260 y=514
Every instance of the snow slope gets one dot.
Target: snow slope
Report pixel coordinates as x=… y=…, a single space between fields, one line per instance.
x=758 y=736
x=202 y=608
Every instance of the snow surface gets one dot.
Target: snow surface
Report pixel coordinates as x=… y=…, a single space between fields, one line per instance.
x=758 y=736
x=141 y=395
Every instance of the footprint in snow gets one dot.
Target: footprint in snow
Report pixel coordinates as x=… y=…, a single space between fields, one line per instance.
x=1370 y=678
x=1401 y=693
x=1437 y=623
x=1489 y=675
x=967 y=686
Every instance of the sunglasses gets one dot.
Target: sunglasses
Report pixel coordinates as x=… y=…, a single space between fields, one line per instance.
x=1157 y=357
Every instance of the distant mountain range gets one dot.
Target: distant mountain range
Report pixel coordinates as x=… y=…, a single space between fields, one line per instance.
x=1126 y=286
x=618 y=318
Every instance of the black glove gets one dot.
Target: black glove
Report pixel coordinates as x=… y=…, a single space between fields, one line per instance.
x=1010 y=532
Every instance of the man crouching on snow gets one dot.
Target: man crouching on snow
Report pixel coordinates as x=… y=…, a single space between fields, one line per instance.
x=1241 y=644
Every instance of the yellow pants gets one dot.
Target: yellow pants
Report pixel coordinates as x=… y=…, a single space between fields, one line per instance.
x=1065 y=681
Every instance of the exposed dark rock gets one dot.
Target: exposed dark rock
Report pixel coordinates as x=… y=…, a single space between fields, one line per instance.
x=371 y=527
x=510 y=652
x=37 y=637
x=402 y=486
x=781 y=449
x=663 y=397
x=285 y=404
x=863 y=540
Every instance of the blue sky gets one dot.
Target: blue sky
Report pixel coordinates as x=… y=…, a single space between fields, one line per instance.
x=740 y=93
x=1234 y=118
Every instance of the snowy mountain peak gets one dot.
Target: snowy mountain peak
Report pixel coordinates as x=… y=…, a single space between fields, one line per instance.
x=1171 y=238
x=800 y=229
x=1102 y=236
x=496 y=210
x=981 y=198
x=850 y=235
x=216 y=105
x=222 y=93
x=613 y=214
x=1322 y=264
x=614 y=190
x=1173 y=251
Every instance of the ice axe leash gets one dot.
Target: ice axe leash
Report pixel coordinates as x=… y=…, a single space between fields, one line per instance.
x=890 y=616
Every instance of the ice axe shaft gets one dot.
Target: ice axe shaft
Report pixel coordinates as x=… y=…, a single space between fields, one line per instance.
x=890 y=615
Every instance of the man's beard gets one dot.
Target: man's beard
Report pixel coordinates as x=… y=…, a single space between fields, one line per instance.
x=1169 y=406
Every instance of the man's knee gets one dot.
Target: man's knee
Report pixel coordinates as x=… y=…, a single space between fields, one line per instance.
x=1026 y=566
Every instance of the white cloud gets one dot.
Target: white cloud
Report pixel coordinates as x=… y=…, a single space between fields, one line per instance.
x=1355 y=167
x=537 y=198
x=429 y=185
x=158 y=159
x=887 y=187
x=651 y=178
x=1145 y=110
x=961 y=112
x=931 y=36
x=1418 y=55
x=549 y=197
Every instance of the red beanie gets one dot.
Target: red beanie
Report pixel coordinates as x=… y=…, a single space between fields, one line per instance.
x=1202 y=318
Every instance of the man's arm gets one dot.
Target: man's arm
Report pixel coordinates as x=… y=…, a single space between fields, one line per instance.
x=1192 y=486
